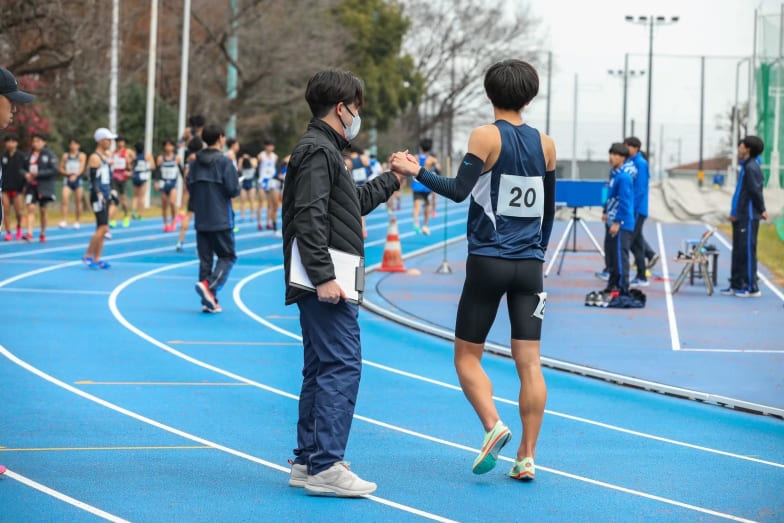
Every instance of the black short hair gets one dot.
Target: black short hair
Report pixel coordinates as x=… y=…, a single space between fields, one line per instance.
x=246 y=163
x=168 y=141
x=426 y=144
x=619 y=149
x=196 y=120
x=268 y=141
x=11 y=136
x=211 y=134
x=754 y=144
x=42 y=136
x=74 y=140
x=119 y=139
x=229 y=141
x=328 y=88
x=139 y=147
x=632 y=141
x=195 y=144
x=511 y=84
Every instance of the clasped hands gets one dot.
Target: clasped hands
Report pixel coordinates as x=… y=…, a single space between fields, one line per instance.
x=403 y=165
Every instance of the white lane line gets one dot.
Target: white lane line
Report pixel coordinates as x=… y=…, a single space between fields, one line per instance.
x=674 y=337
x=87 y=231
x=753 y=351
x=163 y=346
x=244 y=308
x=193 y=437
x=62 y=497
x=720 y=236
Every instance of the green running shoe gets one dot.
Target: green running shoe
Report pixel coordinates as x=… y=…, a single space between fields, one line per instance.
x=494 y=442
x=127 y=221
x=523 y=469
x=113 y=224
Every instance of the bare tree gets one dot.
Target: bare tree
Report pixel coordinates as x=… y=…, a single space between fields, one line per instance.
x=467 y=36
x=724 y=120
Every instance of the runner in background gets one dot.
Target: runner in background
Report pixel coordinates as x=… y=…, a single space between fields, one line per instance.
x=248 y=170
x=143 y=165
x=123 y=160
x=13 y=184
x=268 y=167
x=72 y=165
x=194 y=146
x=40 y=172
x=170 y=167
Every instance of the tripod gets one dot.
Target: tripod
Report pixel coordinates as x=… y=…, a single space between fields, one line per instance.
x=562 y=250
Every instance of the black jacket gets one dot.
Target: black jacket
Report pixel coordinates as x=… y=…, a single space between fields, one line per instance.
x=212 y=183
x=750 y=203
x=48 y=167
x=322 y=207
x=13 y=166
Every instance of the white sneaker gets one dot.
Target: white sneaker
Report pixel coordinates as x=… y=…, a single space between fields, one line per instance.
x=299 y=475
x=77 y=226
x=63 y=224
x=338 y=480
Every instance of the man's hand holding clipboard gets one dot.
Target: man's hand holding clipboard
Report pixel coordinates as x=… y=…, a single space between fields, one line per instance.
x=349 y=282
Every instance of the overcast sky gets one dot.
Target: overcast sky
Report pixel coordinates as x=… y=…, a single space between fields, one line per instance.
x=589 y=37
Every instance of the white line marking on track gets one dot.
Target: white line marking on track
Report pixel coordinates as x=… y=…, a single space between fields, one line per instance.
x=186 y=435
x=244 y=308
x=753 y=351
x=674 y=337
x=51 y=291
x=62 y=497
x=720 y=236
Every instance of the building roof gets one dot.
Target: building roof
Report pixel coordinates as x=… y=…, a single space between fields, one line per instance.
x=708 y=164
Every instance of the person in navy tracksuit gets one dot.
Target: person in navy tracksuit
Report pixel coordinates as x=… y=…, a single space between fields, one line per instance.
x=644 y=256
x=748 y=206
x=620 y=217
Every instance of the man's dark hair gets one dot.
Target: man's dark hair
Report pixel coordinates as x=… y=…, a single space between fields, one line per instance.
x=195 y=144
x=196 y=120
x=632 y=141
x=229 y=141
x=754 y=144
x=511 y=84
x=619 y=149
x=426 y=144
x=328 y=88
x=42 y=136
x=139 y=147
x=119 y=139
x=74 y=140
x=268 y=141
x=11 y=136
x=211 y=134
x=168 y=141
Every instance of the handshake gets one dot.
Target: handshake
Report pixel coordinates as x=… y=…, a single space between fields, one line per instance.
x=403 y=165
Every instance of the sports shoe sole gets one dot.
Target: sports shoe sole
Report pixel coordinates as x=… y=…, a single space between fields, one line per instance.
x=324 y=490
x=488 y=457
x=203 y=292
x=652 y=262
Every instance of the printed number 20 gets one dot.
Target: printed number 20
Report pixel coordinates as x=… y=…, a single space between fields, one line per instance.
x=529 y=200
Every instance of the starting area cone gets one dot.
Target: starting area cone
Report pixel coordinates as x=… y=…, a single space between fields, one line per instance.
x=393 y=255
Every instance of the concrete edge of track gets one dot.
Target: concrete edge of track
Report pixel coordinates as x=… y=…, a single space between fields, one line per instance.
x=574 y=368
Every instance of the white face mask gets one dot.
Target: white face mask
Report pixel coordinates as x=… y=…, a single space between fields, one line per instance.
x=352 y=131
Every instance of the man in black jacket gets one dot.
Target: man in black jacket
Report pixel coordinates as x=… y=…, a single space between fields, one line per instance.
x=322 y=208
x=212 y=183
x=41 y=169
x=748 y=206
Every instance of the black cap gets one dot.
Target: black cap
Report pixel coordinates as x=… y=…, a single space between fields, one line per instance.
x=10 y=88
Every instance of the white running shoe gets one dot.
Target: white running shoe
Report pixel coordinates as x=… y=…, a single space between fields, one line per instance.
x=299 y=475
x=77 y=225
x=63 y=224
x=338 y=480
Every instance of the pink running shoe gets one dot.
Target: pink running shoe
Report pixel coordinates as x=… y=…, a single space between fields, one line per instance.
x=18 y=234
x=8 y=237
x=2 y=469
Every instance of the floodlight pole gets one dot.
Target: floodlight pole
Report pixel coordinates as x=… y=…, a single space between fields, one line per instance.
x=231 y=84
x=736 y=124
x=114 y=66
x=574 y=132
x=549 y=90
x=151 y=62
x=183 y=108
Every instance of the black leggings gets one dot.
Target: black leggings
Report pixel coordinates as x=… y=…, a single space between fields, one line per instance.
x=487 y=280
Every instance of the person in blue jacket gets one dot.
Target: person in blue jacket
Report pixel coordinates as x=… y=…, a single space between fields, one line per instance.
x=620 y=217
x=748 y=206
x=212 y=183
x=644 y=257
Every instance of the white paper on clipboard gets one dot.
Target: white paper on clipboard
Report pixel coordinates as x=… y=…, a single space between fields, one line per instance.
x=349 y=272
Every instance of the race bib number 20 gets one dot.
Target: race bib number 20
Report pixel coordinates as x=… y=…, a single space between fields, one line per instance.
x=521 y=196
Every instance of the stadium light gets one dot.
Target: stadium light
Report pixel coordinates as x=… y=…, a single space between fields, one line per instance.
x=650 y=21
x=624 y=75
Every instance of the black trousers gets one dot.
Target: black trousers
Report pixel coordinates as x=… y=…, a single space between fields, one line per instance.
x=215 y=243
x=640 y=248
x=744 y=255
x=608 y=245
x=619 y=261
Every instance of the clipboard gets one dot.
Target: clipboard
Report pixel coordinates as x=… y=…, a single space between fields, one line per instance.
x=349 y=272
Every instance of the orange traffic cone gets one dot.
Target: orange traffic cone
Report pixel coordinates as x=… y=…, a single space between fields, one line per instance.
x=393 y=255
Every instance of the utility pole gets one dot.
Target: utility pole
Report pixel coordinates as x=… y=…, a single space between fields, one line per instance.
x=231 y=84
x=183 y=108
x=113 y=81
x=700 y=172
x=574 y=132
x=549 y=90
x=152 y=59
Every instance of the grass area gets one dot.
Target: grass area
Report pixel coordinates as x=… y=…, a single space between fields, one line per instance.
x=770 y=249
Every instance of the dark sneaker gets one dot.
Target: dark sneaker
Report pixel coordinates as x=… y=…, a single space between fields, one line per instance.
x=745 y=293
x=729 y=291
x=652 y=261
x=207 y=297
